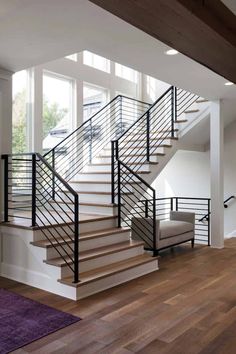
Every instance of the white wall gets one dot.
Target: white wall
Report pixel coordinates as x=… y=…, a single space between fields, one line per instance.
x=188 y=174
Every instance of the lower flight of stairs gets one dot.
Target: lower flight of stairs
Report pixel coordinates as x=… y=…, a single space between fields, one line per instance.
x=108 y=257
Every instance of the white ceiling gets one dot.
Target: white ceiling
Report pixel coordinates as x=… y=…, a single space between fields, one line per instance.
x=33 y=32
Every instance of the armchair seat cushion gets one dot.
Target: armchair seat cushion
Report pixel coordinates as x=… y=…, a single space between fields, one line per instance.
x=172 y=228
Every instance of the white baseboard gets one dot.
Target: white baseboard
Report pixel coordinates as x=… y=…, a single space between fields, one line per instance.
x=231 y=234
x=37 y=280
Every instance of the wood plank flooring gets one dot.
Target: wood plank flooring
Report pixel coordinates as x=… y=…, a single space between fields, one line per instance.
x=187 y=307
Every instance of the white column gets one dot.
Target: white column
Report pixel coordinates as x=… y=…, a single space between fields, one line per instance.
x=5 y=124
x=217 y=175
x=37 y=110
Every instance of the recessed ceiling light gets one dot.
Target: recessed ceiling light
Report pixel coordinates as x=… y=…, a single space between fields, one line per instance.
x=172 y=52
x=229 y=83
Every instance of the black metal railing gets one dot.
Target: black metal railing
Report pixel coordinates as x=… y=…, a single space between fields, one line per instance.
x=199 y=206
x=139 y=146
x=83 y=144
x=226 y=201
x=131 y=188
x=35 y=195
x=144 y=139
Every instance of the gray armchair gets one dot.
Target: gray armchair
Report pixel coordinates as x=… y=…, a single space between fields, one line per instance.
x=180 y=228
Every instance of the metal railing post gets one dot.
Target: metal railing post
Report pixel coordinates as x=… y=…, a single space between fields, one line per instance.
x=76 y=240
x=6 y=187
x=173 y=108
x=148 y=136
x=171 y=204
x=90 y=142
x=146 y=208
x=208 y=221
x=119 y=194
x=175 y=103
x=121 y=130
x=113 y=172
x=33 y=186
x=154 y=224
x=53 y=176
x=177 y=204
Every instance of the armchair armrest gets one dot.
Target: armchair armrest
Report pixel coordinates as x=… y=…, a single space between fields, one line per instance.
x=183 y=216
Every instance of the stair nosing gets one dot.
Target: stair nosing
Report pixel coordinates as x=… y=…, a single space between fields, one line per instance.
x=83 y=237
x=102 y=276
x=126 y=246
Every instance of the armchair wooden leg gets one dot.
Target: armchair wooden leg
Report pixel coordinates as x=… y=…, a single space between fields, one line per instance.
x=192 y=242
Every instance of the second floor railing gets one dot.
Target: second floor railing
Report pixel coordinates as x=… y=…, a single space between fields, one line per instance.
x=80 y=147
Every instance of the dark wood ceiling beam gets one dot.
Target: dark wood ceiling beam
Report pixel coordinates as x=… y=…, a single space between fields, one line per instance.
x=204 y=30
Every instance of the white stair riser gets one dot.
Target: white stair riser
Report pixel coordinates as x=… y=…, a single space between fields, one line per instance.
x=128 y=159
x=83 y=227
x=91 y=198
x=85 y=209
x=131 y=150
x=104 y=260
x=86 y=245
x=141 y=142
x=93 y=177
x=115 y=279
x=93 y=187
x=100 y=168
x=96 y=177
x=96 y=187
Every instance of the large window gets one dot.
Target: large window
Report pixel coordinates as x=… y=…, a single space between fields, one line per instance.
x=57 y=109
x=96 y=61
x=94 y=99
x=19 y=112
x=126 y=73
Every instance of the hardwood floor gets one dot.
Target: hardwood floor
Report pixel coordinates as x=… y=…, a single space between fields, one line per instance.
x=187 y=307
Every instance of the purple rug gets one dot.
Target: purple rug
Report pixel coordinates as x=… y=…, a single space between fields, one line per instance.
x=23 y=321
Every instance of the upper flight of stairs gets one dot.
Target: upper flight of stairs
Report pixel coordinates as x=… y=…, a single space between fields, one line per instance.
x=108 y=255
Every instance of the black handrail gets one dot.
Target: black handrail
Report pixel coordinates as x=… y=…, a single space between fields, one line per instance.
x=227 y=200
x=225 y=206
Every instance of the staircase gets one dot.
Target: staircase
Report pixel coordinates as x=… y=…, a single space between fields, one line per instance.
x=68 y=215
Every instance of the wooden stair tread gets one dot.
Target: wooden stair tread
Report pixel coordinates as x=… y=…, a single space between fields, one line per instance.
x=112 y=269
x=202 y=100
x=99 y=182
x=192 y=111
x=107 y=172
x=130 y=154
x=105 y=205
x=181 y=121
x=95 y=192
x=82 y=237
x=95 y=253
x=129 y=164
x=83 y=218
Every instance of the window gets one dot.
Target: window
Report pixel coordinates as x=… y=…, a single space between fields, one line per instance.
x=96 y=61
x=72 y=57
x=126 y=73
x=57 y=109
x=94 y=99
x=151 y=87
x=19 y=112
